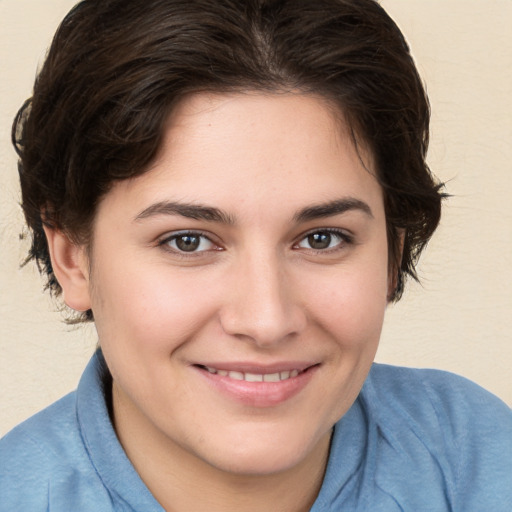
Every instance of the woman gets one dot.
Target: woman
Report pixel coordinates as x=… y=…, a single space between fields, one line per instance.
x=233 y=192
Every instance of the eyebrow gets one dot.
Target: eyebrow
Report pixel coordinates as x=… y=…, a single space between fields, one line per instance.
x=332 y=208
x=190 y=211
x=212 y=214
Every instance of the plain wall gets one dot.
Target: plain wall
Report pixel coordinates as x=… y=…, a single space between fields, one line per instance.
x=459 y=319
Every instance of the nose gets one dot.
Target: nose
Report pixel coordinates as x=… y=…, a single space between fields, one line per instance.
x=263 y=305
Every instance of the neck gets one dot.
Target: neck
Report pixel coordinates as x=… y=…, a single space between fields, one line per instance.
x=180 y=481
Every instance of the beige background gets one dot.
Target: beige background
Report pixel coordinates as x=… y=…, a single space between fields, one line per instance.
x=459 y=319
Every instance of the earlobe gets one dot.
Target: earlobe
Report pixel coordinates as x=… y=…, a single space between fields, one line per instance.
x=70 y=266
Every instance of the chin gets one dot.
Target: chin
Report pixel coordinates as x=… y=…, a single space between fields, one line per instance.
x=266 y=453
x=258 y=463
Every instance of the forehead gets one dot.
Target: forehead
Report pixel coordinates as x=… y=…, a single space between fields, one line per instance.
x=268 y=120
x=258 y=149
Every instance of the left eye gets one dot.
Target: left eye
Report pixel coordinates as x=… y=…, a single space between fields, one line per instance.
x=189 y=242
x=321 y=240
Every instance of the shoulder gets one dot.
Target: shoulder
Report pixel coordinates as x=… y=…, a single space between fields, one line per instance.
x=33 y=451
x=45 y=464
x=440 y=397
x=463 y=429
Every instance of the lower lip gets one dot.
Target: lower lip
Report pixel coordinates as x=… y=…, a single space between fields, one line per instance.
x=259 y=394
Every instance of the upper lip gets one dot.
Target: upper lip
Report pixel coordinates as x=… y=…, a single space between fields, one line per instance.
x=259 y=369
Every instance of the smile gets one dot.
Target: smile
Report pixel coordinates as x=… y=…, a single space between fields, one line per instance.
x=255 y=377
x=255 y=386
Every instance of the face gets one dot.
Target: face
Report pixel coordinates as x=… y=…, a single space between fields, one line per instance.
x=239 y=285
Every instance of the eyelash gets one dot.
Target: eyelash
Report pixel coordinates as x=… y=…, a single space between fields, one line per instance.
x=165 y=243
x=344 y=239
x=343 y=236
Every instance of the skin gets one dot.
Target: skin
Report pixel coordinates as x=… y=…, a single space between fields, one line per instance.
x=257 y=291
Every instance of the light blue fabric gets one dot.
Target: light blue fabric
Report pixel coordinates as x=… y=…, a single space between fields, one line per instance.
x=414 y=441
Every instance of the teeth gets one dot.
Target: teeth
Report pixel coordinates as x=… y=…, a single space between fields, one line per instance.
x=252 y=377
x=255 y=377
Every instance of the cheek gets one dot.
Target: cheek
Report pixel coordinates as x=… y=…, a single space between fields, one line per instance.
x=351 y=304
x=153 y=308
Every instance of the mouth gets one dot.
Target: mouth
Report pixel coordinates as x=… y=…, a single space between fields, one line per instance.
x=255 y=377
x=256 y=386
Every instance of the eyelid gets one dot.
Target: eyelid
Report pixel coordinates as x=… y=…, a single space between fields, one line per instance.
x=346 y=238
x=164 y=240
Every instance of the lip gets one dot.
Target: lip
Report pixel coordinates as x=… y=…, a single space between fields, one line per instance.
x=264 y=369
x=258 y=394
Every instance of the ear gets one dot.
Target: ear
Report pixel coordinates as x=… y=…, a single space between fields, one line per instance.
x=71 y=268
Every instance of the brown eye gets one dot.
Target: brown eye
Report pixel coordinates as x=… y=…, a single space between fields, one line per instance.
x=323 y=240
x=188 y=242
x=319 y=240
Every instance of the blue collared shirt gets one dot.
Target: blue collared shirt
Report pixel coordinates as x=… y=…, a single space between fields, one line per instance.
x=414 y=440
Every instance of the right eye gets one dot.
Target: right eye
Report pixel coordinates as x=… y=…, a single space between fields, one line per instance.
x=189 y=242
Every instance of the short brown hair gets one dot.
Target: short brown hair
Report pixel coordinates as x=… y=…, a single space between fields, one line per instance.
x=116 y=69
